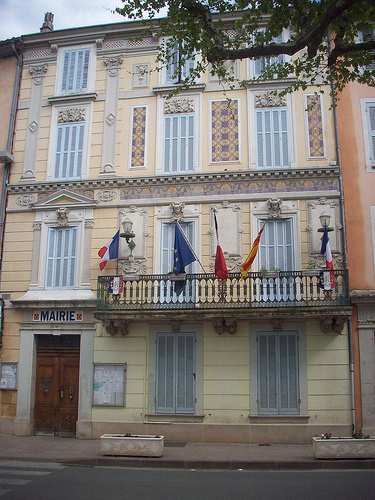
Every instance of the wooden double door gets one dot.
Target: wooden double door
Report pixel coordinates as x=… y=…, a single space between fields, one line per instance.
x=56 y=395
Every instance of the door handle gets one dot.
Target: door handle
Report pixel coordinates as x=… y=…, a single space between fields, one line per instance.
x=61 y=392
x=71 y=392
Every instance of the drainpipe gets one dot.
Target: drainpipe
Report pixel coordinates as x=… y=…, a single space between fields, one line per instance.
x=342 y=209
x=8 y=164
x=8 y=157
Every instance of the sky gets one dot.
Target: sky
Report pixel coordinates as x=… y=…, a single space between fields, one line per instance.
x=23 y=17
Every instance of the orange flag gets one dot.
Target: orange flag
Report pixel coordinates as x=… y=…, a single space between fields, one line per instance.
x=252 y=254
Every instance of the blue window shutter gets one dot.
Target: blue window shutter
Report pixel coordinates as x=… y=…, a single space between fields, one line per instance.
x=272 y=138
x=371 y=123
x=61 y=258
x=179 y=131
x=175 y=373
x=171 y=70
x=75 y=70
x=276 y=245
x=69 y=151
x=278 y=373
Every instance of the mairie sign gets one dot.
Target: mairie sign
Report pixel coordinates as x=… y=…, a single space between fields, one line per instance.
x=58 y=316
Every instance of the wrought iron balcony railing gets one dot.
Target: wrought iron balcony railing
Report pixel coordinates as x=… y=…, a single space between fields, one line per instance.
x=206 y=291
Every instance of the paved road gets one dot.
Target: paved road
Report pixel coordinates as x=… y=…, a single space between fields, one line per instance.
x=49 y=481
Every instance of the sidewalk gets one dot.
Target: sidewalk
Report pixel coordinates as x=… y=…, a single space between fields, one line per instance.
x=86 y=452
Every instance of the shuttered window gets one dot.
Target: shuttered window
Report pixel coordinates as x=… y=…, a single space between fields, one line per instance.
x=276 y=245
x=69 y=151
x=179 y=143
x=370 y=110
x=61 y=258
x=176 y=71
x=278 y=392
x=263 y=62
x=175 y=373
x=272 y=138
x=75 y=71
x=367 y=35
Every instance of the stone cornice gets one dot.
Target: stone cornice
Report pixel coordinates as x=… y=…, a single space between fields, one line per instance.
x=296 y=174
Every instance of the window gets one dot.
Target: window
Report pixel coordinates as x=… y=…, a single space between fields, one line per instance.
x=370 y=112
x=175 y=373
x=262 y=63
x=75 y=71
x=69 y=151
x=178 y=68
x=278 y=384
x=179 y=133
x=61 y=257
x=276 y=245
x=272 y=142
x=367 y=35
x=167 y=245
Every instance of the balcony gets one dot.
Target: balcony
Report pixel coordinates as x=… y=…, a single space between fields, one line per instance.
x=306 y=294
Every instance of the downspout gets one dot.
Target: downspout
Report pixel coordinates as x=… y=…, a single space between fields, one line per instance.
x=6 y=173
x=342 y=209
x=7 y=165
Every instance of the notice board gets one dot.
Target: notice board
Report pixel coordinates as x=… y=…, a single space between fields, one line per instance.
x=8 y=378
x=109 y=384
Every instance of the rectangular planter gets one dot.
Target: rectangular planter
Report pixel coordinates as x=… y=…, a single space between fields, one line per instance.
x=334 y=448
x=131 y=446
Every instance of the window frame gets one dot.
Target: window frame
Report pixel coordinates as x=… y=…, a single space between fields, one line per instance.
x=368 y=133
x=184 y=143
x=270 y=136
x=174 y=75
x=69 y=150
x=56 y=261
x=86 y=107
x=198 y=415
x=265 y=246
x=62 y=50
x=262 y=62
x=254 y=414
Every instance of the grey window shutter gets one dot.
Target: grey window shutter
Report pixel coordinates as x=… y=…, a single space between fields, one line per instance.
x=267 y=378
x=165 y=373
x=61 y=257
x=288 y=373
x=69 y=151
x=371 y=116
x=185 y=374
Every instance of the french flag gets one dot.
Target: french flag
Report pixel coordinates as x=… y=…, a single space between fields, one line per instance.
x=326 y=250
x=220 y=265
x=109 y=251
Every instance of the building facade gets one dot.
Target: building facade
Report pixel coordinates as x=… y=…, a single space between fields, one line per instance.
x=134 y=348
x=356 y=125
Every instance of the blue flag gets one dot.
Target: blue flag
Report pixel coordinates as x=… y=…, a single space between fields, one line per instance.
x=183 y=256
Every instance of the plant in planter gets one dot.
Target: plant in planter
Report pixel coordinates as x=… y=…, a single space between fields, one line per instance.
x=357 y=446
x=132 y=445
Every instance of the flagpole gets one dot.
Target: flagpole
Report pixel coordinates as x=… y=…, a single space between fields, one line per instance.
x=189 y=245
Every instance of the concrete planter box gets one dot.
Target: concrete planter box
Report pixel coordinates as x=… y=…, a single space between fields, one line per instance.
x=131 y=446
x=334 y=448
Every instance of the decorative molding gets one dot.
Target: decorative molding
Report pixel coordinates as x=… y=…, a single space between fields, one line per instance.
x=267 y=100
x=99 y=43
x=25 y=200
x=332 y=323
x=89 y=223
x=106 y=195
x=116 y=326
x=229 y=217
x=110 y=119
x=141 y=75
x=179 y=105
x=71 y=115
x=134 y=262
x=274 y=207
x=38 y=73
x=62 y=215
x=33 y=126
x=177 y=210
x=176 y=325
x=37 y=226
x=113 y=65
x=301 y=181
x=222 y=325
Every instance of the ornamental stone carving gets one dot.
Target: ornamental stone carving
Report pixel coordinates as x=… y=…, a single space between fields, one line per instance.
x=141 y=75
x=274 y=207
x=179 y=105
x=106 y=195
x=71 y=115
x=177 y=210
x=113 y=65
x=62 y=215
x=25 y=200
x=38 y=73
x=222 y=325
x=266 y=100
x=116 y=326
